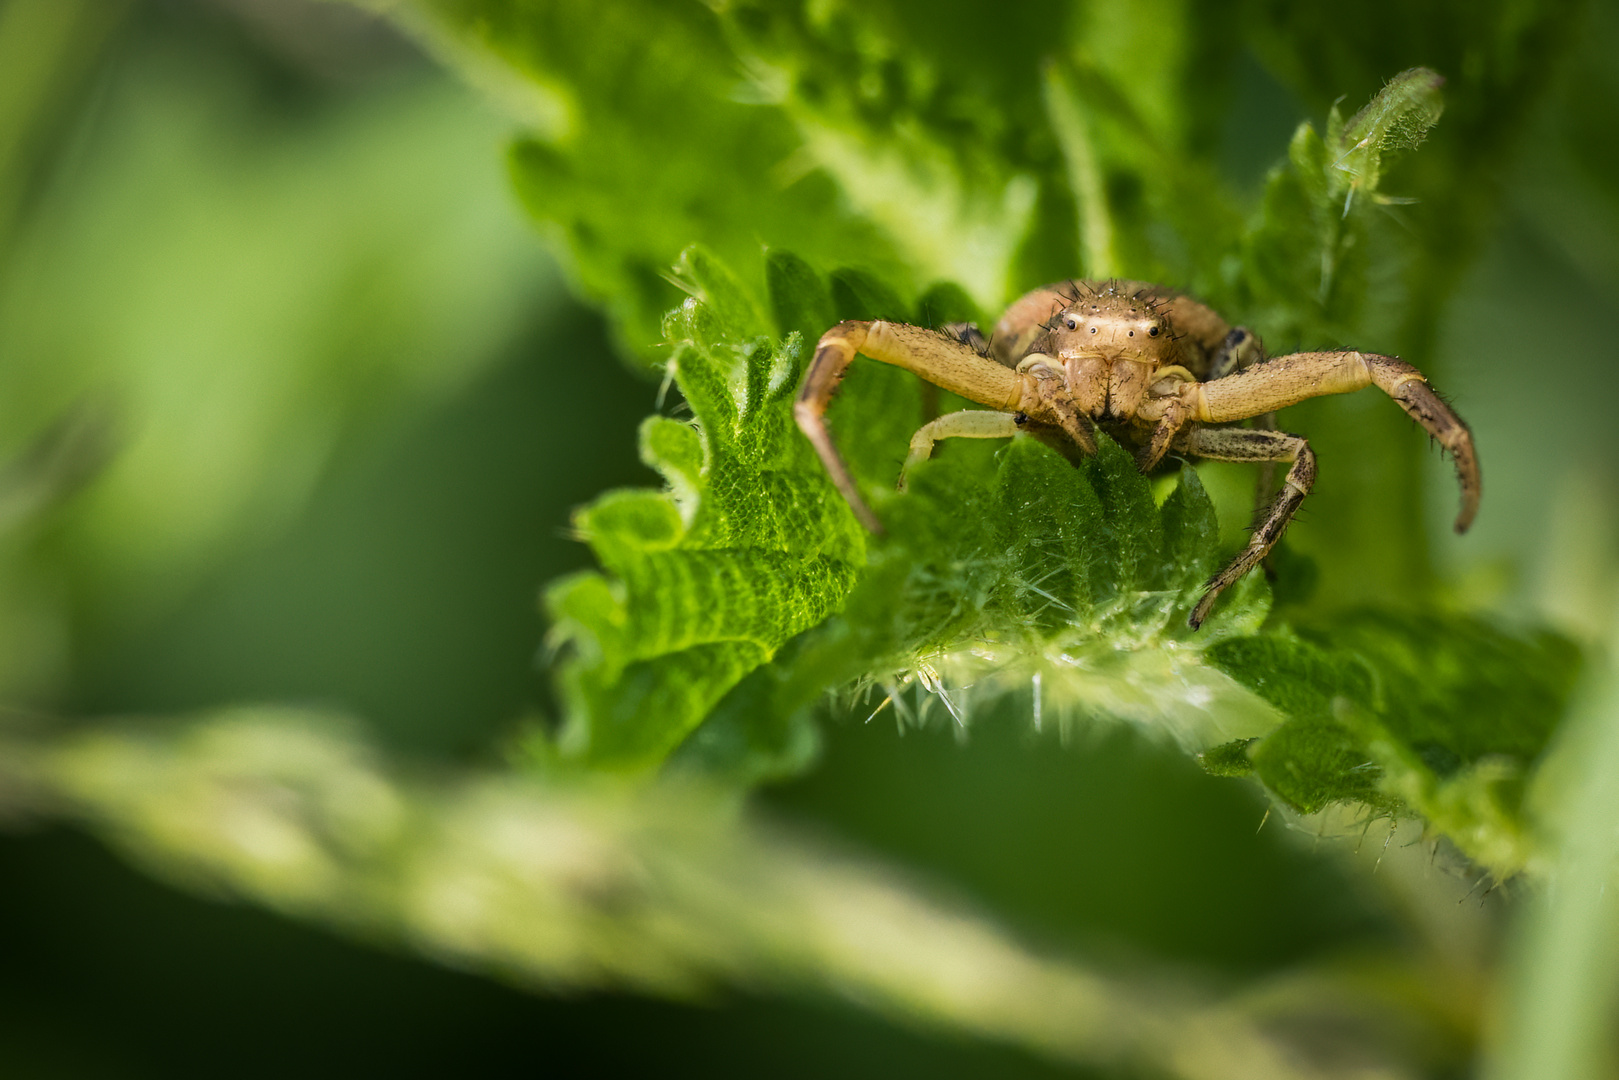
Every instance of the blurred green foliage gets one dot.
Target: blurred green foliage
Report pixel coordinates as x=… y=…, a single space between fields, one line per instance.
x=189 y=335
x=291 y=409
x=575 y=885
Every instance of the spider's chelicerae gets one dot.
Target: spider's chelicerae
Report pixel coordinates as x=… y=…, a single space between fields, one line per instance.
x=1156 y=370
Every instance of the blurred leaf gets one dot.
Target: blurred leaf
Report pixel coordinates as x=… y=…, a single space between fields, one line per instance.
x=643 y=138
x=587 y=886
x=1496 y=58
x=1307 y=257
x=1438 y=715
x=48 y=50
x=799 y=297
x=1398 y=118
x=938 y=148
x=1553 y=1020
x=224 y=312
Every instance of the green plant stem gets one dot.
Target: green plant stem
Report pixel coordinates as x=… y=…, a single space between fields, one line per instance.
x=47 y=54
x=1557 y=1019
x=1073 y=131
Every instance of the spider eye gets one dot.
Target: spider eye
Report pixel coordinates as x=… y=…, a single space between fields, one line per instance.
x=1152 y=331
x=1093 y=329
x=1132 y=334
x=1071 y=321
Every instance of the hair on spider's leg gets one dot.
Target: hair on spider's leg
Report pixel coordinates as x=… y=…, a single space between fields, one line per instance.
x=968 y=334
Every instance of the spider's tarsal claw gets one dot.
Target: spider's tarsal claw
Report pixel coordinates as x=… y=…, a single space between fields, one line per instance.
x=1152 y=453
x=1055 y=396
x=1163 y=436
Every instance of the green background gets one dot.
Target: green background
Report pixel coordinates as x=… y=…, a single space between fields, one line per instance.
x=288 y=200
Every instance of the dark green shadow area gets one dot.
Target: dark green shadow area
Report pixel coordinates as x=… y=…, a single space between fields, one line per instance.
x=110 y=974
x=1114 y=841
x=406 y=592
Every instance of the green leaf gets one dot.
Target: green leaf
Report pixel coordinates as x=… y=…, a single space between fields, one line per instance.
x=1005 y=551
x=1191 y=533
x=733 y=601
x=748 y=546
x=931 y=149
x=597 y=887
x=789 y=138
x=703 y=276
x=1131 y=536
x=1054 y=524
x=1442 y=716
x=639 y=143
x=947 y=302
x=1398 y=118
x=859 y=294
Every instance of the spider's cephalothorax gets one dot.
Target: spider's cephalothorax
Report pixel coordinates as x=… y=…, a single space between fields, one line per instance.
x=1110 y=346
x=1153 y=368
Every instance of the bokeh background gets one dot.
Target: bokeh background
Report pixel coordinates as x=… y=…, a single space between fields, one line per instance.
x=297 y=406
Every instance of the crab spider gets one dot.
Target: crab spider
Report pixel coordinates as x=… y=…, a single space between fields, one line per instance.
x=1156 y=370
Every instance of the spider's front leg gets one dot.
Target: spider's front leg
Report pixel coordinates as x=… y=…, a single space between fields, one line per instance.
x=1244 y=444
x=1287 y=380
x=941 y=359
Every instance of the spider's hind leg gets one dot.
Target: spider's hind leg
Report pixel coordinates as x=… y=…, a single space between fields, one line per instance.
x=1243 y=349
x=1241 y=444
x=1240 y=349
x=969 y=335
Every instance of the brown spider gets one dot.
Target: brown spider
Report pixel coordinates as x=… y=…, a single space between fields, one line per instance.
x=1154 y=369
